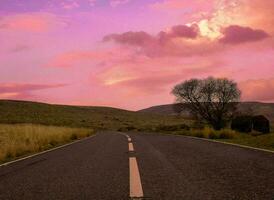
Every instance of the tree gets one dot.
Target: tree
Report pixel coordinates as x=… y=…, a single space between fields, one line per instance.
x=213 y=100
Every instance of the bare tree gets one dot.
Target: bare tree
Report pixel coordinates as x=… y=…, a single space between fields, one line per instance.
x=213 y=100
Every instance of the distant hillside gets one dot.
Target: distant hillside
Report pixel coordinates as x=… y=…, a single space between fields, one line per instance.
x=78 y=116
x=266 y=109
x=161 y=109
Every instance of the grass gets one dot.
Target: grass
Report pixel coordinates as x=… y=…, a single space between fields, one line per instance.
x=206 y=132
x=98 y=118
x=210 y=133
x=19 y=140
x=265 y=141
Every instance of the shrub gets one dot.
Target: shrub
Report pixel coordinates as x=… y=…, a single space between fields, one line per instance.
x=210 y=133
x=227 y=134
x=242 y=123
x=261 y=124
x=73 y=136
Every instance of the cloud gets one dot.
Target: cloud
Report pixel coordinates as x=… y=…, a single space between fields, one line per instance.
x=258 y=90
x=31 y=22
x=69 y=59
x=193 y=6
x=131 y=38
x=92 y=2
x=23 y=91
x=236 y=35
x=180 y=40
x=151 y=75
x=115 y=3
x=20 y=48
x=180 y=31
x=70 y=4
x=142 y=38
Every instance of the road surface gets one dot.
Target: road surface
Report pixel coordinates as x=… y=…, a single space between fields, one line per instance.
x=117 y=166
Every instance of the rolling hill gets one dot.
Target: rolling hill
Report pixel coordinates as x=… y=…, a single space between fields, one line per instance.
x=257 y=108
x=13 y=112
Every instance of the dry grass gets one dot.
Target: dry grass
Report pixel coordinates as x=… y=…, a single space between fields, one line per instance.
x=209 y=133
x=19 y=140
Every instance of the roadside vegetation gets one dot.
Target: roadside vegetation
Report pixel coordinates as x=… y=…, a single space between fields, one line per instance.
x=252 y=139
x=22 y=139
x=264 y=141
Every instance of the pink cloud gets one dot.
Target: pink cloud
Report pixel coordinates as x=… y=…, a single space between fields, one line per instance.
x=70 y=58
x=22 y=90
x=185 y=31
x=98 y=58
x=254 y=13
x=258 y=90
x=131 y=38
x=152 y=75
x=92 y=2
x=236 y=34
x=20 y=48
x=31 y=22
x=115 y=3
x=180 y=40
x=70 y=5
x=194 y=6
x=142 y=38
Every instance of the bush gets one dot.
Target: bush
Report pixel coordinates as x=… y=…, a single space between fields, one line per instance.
x=227 y=134
x=73 y=137
x=242 y=123
x=210 y=133
x=261 y=124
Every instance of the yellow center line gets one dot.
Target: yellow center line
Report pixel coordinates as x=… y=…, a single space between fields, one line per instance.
x=130 y=146
x=136 y=190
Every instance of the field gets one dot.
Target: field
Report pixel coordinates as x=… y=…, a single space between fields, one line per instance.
x=23 y=139
x=98 y=118
x=259 y=141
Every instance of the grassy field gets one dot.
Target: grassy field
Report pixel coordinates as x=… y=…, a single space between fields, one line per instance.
x=23 y=139
x=264 y=141
x=260 y=141
x=98 y=118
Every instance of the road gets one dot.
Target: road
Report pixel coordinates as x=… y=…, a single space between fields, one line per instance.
x=116 y=166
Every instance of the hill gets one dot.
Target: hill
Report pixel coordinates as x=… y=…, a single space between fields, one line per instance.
x=257 y=108
x=13 y=112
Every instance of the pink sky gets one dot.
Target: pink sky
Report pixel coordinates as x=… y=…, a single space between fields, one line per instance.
x=130 y=53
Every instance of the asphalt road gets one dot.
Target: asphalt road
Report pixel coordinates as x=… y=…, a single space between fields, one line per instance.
x=170 y=168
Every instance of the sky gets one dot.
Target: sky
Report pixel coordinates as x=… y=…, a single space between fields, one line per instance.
x=130 y=53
